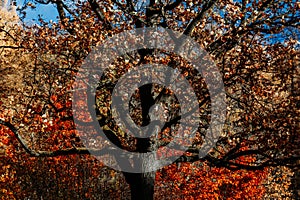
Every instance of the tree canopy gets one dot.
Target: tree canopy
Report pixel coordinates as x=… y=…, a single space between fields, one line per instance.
x=255 y=46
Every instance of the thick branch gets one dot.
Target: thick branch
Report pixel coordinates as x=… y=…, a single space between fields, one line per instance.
x=19 y=138
x=173 y=5
x=170 y=6
x=60 y=152
x=97 y=10
x=221 y=162
x=176 y=119
x=60 y=10
x=206 y=7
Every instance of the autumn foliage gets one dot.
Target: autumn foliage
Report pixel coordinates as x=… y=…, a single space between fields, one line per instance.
x=254 y=44
x=201 y=181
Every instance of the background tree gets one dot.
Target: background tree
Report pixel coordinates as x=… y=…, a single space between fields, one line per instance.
x=243 y=37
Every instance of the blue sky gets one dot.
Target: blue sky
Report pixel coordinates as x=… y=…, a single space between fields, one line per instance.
x=48 y=12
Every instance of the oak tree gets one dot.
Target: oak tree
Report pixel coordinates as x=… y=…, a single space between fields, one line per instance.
x=253 y=43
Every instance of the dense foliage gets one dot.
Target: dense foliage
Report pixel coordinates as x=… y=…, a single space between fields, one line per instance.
x=255 y=45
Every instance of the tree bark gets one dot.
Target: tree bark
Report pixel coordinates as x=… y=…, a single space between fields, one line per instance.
x=142 y=186
x=296 y=183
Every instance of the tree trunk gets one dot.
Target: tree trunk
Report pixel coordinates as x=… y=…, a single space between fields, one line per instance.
x=141 y=185
x=296 y=181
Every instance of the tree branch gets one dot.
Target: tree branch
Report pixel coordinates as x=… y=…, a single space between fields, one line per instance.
x=60 y=10
x=206 y=7
x=19 y=138
x=60 y=152
x=11 y=47
x=97 y=10
x=221 y=162
x=173 y=5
